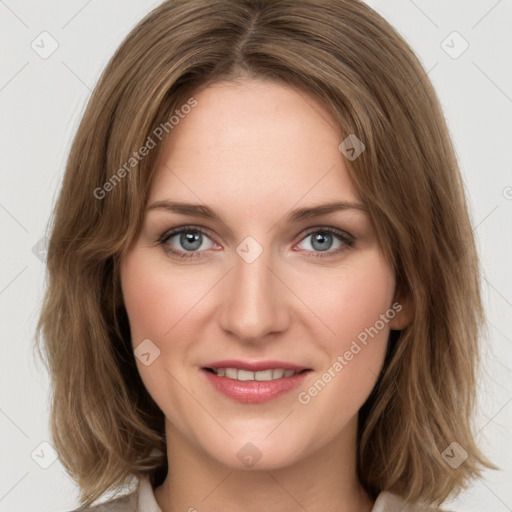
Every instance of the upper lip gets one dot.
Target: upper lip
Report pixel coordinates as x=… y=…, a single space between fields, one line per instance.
x=255 y=366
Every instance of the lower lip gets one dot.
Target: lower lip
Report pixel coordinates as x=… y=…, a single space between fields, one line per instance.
x=254 y=391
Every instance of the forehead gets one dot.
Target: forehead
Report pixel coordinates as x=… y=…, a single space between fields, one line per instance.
x=253 y=144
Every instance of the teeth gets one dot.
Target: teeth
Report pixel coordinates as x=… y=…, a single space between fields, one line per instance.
x=232 y=373
x=245 y=375
x=263 y=375
x=277 y=374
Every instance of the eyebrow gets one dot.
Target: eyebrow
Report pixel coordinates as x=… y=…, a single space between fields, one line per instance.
x=203 y=211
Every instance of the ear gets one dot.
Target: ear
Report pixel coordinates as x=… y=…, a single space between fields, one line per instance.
x=404 y=309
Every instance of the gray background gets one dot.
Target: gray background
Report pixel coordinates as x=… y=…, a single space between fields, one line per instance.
x=42 y=100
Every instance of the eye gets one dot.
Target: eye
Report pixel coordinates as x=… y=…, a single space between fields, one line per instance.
x=191 y=241
x=188 y=242
x=322 y=240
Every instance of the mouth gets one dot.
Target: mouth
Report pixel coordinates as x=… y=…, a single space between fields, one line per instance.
x=254 y=383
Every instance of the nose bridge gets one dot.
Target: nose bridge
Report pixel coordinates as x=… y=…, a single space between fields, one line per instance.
x=254 y=305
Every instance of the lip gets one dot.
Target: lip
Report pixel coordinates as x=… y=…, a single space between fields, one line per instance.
x=254 y=391
x=254 y=366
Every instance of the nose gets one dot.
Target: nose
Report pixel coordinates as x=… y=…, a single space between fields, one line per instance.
x=255 y=303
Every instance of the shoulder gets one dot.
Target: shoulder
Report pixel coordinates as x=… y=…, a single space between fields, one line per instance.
x=388 y=502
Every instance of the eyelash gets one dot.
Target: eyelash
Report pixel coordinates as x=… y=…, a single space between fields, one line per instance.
x=346 y=239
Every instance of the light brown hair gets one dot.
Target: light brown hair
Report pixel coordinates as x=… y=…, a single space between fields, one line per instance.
x=105 y=425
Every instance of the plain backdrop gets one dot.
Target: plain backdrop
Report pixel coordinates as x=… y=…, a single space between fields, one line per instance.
x=466 y=48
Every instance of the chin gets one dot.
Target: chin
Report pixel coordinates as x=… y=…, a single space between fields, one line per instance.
x=257 y=452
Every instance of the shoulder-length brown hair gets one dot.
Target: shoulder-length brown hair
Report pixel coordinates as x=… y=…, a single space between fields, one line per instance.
x=105 y=425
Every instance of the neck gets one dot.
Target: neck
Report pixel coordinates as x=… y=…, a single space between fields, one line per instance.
x=324 y=481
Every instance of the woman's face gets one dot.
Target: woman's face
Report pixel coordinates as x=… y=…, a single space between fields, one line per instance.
x=266 y=281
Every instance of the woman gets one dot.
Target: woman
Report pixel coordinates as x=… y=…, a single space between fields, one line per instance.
x=263 y=287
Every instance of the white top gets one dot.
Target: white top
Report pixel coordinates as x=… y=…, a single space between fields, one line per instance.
x=143 y=500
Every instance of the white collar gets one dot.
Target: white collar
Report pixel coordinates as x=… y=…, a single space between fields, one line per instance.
x=147 y=501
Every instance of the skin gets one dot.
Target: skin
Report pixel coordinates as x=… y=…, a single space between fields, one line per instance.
x=255 y=150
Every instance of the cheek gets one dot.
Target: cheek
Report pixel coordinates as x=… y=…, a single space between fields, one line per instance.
x=164 y=305
x=157 y=301
x=159 y=305
x=351 y=300
x=362 y=303
x=352 y=306
x=365 y=310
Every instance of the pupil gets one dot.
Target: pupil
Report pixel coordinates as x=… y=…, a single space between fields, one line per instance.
x=322 y=239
